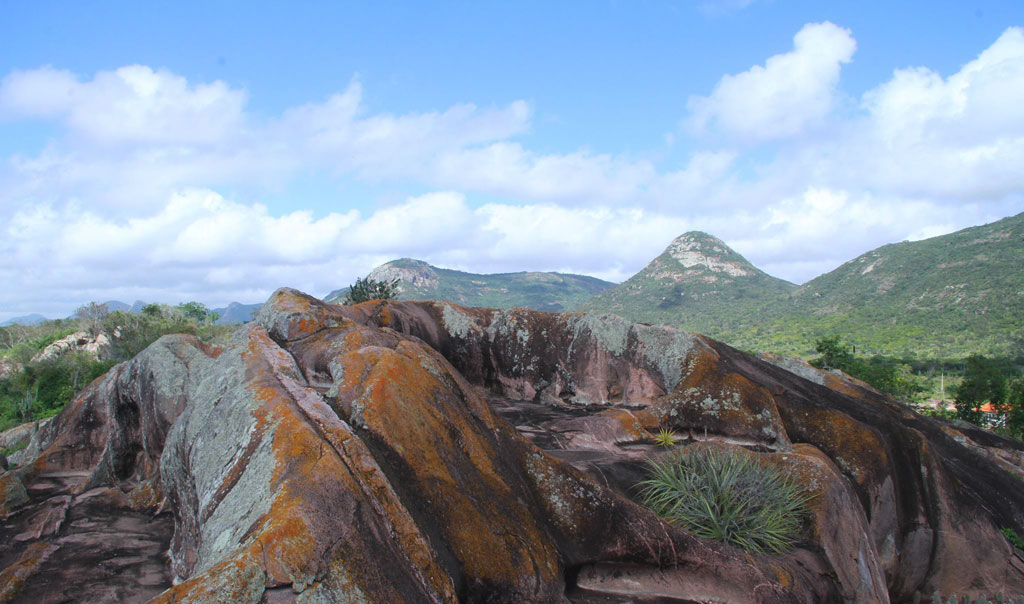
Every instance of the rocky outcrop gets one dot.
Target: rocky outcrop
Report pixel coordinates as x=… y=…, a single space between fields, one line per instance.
x=424 y=452
x=8 y=367
x=922 y=494
x=79 y=341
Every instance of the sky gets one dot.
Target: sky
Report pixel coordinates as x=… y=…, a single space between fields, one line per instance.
x=216 y=151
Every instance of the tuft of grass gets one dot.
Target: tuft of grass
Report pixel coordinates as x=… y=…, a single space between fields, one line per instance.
x=1014 y=539
x=726 y=495
x=665 y=438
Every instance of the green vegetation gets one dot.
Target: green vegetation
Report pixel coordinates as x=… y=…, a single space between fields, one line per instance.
x=940 y=298
x=983 y=382
x=665 y=438
x=8 y=451
x=367 y=289
x=727 y=495
x=195 y=311
x=541 y=291
x=886 y=374
x=728 y=294
x=41 y=389
x=1014 y=539
x=948 y=296
x=973 y=383
x=36 y=389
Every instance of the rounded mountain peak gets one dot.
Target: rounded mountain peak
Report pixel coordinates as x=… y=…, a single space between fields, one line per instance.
x=411 y=273
x=699 y=250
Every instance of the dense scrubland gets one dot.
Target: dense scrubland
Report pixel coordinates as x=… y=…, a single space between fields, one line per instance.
x=35 y=386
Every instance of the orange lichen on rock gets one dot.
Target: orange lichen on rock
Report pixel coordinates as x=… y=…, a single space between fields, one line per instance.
x=723 y=402
x=856 y=448
x=411 y=408
x=637 y=425
x=145 y=496
x=331 y=524
x=239 y=579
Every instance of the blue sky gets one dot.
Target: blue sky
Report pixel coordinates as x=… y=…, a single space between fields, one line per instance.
x=215 y=151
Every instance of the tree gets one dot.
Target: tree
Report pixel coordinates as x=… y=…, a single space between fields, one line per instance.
x=198 y=312
x=983 y=383
x=835 y=354
x=1015 y=407
x=371 y=289
x=92 y=313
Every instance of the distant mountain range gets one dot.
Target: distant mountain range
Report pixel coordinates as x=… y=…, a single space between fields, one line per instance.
x=542 y=291
x=947 y=296
x=32 y=319
x=236 y=313
x=232 y=314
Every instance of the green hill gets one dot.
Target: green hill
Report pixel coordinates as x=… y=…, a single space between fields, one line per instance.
x=699 y=283
x=947 y=296
x=541 y=291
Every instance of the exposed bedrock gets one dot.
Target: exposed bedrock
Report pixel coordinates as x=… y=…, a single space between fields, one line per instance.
x=906 y=501
x=426 y=452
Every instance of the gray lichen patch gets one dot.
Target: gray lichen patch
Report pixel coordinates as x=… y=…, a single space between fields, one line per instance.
x=245 y=503
x=798 y=367
x=611 y=332
x=506 y=323
x=665 y=348
x=508 y=329
x=202 y=461
x=566 y=498
x=458 y=324
x=338 y=587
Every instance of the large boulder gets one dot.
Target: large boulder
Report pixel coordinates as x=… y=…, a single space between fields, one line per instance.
x=921 y=498
x=425 y=452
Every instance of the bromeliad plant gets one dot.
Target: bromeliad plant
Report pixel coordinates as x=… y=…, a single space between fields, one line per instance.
x=728 y=496
x=665 y=438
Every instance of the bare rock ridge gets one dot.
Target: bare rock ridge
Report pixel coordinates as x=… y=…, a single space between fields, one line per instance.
x=427 y=452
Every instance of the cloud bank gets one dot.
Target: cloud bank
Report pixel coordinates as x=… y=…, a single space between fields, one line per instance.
x=134 y=198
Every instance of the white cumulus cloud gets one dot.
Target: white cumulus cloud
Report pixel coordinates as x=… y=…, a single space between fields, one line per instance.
x=133 y=104
x=780 y=99
x=131 y=197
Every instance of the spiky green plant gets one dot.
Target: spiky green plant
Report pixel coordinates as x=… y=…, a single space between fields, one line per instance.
x=665 y=438
x=726 y=495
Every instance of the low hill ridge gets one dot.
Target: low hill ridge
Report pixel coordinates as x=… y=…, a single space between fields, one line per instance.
x=948 y=295
x=549 y=291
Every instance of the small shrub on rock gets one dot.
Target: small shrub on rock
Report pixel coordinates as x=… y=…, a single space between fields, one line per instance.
x=371 y=289
x=726 y=495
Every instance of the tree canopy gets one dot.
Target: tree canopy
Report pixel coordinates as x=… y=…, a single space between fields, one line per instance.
x=371 y=289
